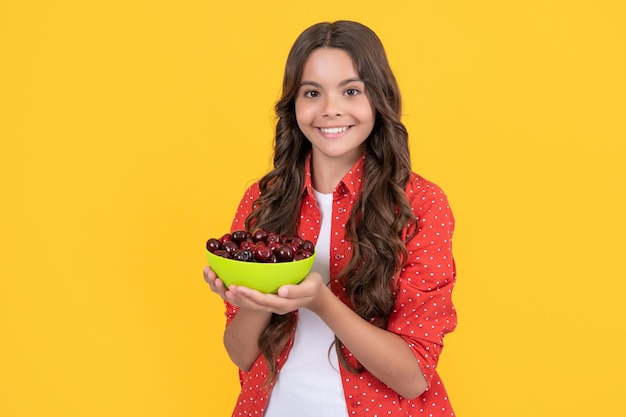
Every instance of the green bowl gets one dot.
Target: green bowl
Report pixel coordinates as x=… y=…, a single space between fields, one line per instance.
x=263 y=277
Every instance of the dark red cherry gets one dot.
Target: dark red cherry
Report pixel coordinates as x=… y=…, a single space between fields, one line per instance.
x=259 y=235
x=294 y=247
x=239 y=236
x=297 y=241
x=245 y=255
x=308 y=246
x=273 y=245
x=212 y=245
x=263 y=254
x=230 y=247
x=223 y=253
x=284 y=253
x=273 y=237
x=226 y=238
x=246 y=244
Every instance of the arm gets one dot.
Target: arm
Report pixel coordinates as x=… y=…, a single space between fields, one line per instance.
x=244 y=325
x=242 y=335
x=384 y=354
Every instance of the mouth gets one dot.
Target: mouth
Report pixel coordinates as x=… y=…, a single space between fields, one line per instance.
x=333 y=130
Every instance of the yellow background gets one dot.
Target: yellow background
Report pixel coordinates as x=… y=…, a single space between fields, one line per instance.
x=129 y=130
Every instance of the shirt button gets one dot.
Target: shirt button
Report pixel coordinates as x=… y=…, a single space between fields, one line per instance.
x=341 y=210
x=338 y=256
x=355 y=404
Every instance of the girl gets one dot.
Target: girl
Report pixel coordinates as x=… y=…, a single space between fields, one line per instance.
x=362 y=334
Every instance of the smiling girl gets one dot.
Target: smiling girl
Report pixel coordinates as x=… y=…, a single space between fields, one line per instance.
x=362 y=334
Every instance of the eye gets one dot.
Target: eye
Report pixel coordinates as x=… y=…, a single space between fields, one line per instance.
x=311 y=94
x=352 y=92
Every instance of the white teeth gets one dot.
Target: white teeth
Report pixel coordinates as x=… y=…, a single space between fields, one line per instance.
x=334 y=130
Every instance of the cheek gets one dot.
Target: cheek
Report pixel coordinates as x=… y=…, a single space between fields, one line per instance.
x=367 y=115
x=300 y=118
x=364 y=110
x=305 y=113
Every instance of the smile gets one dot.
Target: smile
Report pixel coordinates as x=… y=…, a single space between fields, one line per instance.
x=333 y=130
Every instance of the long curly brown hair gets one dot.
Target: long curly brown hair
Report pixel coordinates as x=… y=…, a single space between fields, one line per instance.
x=382 y=211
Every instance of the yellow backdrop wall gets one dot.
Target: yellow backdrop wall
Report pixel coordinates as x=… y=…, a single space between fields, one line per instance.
x=129 y=131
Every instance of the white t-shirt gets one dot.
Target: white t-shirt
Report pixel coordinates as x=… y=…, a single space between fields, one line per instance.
x=309 y=384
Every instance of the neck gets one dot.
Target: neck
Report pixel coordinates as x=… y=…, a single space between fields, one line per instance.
x=327 y=172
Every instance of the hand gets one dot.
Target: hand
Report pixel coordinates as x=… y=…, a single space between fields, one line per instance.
x=232 y=294
x=216 y=284
x=307 y=294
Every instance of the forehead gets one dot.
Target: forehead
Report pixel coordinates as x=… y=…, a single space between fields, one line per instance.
x=328 y=64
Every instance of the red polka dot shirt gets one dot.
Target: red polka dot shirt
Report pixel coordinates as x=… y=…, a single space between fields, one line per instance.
x=423 y=311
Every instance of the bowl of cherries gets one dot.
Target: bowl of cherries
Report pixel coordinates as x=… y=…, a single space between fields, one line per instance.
x=261 y=260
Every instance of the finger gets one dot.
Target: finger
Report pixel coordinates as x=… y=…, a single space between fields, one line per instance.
x=284 y=291
x=208 y=274
x=305 y=289
x=266 y=302
x=233 y=295
x=216 y=284
x=296 y=295
x=219 y=287
x=211 y=280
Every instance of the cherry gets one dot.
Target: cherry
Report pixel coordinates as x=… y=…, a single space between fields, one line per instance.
x=246 y=244
x=297 y=241
x=274 y=246
x=212 y=245
x=273 y=237
x=294 y=246
x=230 y=247
x=259 y=235
x=308 y=246
x=284 y=253
x=239 y=236
x=263 y=254
x=226 y=238
x=245 y=255
x=223 y=253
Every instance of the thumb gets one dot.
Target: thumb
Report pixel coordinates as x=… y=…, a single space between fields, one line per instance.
x=284 y=291
x=303 y=289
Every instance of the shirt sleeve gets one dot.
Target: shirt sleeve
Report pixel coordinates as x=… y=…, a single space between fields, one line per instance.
x=244 y=208
x=424 y=312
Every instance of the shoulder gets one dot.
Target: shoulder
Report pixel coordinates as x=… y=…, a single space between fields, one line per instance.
x=251 y=194
x=253 y=191
x=245 y=205
x=423 y=193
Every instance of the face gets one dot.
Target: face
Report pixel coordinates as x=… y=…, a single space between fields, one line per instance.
x=333 y=109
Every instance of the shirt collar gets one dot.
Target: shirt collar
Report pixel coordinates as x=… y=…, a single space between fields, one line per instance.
x=350 y=183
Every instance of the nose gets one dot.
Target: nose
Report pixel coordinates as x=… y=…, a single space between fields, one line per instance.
x=332 y=106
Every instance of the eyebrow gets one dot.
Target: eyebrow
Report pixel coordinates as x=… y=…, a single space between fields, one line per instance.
x=342 y=83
